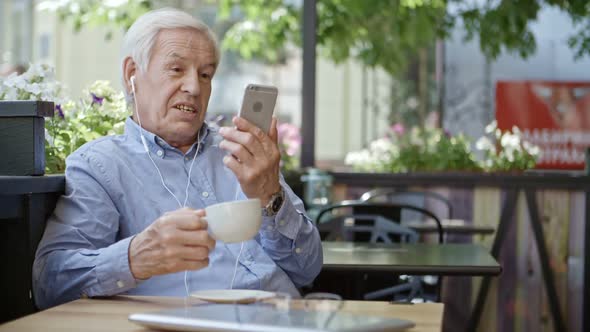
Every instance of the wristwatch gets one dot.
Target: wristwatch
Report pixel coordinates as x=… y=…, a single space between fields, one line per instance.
x=274 y=203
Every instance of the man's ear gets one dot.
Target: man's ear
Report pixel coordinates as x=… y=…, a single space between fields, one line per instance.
x=129 y=69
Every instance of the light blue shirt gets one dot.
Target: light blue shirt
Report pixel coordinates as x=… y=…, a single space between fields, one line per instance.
x=113 y=192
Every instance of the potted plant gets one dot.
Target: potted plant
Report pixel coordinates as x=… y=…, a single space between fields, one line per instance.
x=431 y=149
x=24 y=102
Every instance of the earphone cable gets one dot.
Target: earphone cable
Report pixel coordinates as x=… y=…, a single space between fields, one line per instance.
x=141 y=133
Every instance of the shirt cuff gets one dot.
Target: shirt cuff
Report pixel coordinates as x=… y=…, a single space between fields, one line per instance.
x=113 y=271
x=287 y=221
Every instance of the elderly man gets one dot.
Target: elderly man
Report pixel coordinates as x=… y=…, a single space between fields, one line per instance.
x=130 y=220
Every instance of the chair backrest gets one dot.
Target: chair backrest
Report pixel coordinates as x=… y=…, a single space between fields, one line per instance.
x=379 y=229
x=371 y=215
x=402 y=196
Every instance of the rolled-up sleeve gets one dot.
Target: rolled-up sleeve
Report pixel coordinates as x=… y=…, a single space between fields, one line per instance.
x=292 y=240
x=78 y=254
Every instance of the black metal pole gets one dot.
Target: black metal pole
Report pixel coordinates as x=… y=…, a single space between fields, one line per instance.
x=308 y=83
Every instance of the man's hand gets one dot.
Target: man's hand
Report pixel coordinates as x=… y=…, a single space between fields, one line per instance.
x=254 y=158
x=177 y=241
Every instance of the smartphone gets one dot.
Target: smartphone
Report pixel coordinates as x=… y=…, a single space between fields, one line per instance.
x=258 y=105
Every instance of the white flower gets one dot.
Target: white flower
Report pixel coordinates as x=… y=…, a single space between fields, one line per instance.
x=516 y=131
x=37 y=83
x=380 y=146
x=509 y=153
x=484 y=143
x=490 y=128
x=34 y=88
x=18 y=82
x=498 y=133
x=356 y=158
x=509 y=140
x=35 y=70
x=115 y=3
x=11 y=95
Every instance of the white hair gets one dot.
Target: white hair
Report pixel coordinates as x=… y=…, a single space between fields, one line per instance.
x=139 y=40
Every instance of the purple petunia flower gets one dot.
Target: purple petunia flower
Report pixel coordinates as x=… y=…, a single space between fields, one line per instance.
x=59 y=110
x=96 y=99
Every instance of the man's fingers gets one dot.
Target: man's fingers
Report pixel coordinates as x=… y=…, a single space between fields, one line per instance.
x=233 y=164
x=192 y=238
x=274 y=133
x=246 y=134
x=236 y=150
x=190 y=221
x=192 y=253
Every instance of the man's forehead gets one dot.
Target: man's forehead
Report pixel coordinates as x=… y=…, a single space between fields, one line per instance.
x=172 y=42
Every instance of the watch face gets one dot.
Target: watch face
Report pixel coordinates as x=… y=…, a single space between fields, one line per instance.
x=276 y=204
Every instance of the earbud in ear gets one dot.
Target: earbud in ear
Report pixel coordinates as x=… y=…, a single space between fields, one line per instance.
x=132 y=79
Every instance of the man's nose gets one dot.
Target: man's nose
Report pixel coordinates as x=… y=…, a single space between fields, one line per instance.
x=190 y=84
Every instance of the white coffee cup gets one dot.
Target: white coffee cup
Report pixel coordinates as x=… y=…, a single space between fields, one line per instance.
x=234 y=221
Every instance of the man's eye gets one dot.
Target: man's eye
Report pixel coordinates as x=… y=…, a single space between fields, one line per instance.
x=205 y=76
x=176 y=69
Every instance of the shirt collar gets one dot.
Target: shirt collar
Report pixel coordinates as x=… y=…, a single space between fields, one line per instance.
x=156 y=143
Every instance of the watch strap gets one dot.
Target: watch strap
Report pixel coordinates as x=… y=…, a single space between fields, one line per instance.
x=274 y=203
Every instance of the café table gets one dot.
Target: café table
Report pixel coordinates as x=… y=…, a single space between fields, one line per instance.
x=110 y=314
x=413 y=259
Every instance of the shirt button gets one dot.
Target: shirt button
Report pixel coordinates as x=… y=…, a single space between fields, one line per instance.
x=205 y=194
x=282 y=222
x=120 y=284
x=297 y=250
x=160 y=153
x=187 y=158
x=269 y=227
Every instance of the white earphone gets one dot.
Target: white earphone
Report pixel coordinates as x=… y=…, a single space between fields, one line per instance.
x=145 y=147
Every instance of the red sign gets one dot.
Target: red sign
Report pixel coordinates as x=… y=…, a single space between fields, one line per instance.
x=553 y=115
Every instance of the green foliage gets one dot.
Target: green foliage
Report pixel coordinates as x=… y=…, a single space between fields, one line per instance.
x=386 y=34
x=113 y=14
x=273 y=24
x=101 y=113
x=383 y=33
x=379 y=33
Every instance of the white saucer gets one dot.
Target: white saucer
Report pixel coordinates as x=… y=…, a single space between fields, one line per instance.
x=241 y=296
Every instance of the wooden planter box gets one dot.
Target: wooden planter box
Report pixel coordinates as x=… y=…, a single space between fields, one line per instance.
x=22 y=137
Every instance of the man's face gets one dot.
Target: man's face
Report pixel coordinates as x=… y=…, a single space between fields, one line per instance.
x=172 y=95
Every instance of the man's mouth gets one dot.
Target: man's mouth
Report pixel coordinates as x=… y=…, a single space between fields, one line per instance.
x=186 y=108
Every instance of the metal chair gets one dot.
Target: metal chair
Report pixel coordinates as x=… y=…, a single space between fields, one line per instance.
x=402 y=196
x=375 y=222
x=391 y=211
